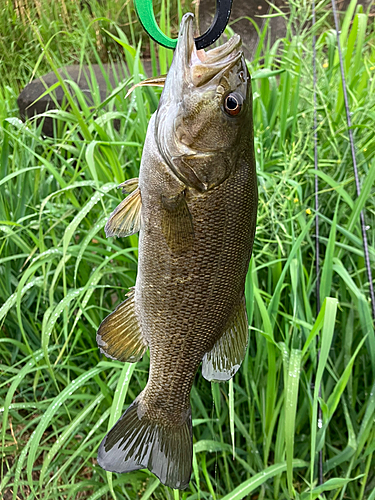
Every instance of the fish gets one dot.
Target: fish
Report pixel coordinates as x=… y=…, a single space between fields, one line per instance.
x=195 y=207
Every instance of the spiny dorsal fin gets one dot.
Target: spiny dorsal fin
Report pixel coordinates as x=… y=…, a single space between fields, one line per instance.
x=225 y=358
x=126 y=218
x=155 y=81
x=119 y=335
x=129 y=186
x=177 y=223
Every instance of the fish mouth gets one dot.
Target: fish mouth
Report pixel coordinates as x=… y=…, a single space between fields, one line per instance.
x=199 y=66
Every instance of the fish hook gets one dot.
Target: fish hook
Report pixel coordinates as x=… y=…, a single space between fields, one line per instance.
x=146 y=17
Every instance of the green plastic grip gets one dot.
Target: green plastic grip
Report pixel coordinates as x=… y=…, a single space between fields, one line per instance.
x=146 y=17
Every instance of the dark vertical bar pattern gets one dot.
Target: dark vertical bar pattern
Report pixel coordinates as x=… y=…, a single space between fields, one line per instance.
x=351 y=141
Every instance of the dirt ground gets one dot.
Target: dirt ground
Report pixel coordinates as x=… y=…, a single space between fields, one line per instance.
x=241 y=8
x=254 y=9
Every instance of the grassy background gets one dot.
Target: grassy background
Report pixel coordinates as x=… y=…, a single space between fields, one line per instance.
x=60 y=276
x=76 y=31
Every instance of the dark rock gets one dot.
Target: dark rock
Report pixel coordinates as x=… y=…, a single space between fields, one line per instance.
x=105 y=78
x=254 y=9
x=244 y=27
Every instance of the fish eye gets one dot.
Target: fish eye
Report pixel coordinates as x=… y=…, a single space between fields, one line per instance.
x=233 y=103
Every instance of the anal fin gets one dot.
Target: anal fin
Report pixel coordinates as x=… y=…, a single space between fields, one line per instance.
x=226 y=356
x=126 y=218
x=119 y=335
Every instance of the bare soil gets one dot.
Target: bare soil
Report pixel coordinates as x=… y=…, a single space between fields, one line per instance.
x=256 y=9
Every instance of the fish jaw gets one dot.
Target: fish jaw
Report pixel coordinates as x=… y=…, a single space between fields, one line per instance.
x=198 y=66
x=193 y=132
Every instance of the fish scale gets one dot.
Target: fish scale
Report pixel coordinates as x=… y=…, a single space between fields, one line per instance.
x=195 y=207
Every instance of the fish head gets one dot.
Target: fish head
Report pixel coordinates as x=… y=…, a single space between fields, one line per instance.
x=204 y=118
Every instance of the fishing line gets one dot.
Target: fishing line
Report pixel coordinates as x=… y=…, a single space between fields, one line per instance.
x=316 y=188
x=317 y=248
x=317 y=267
x=352 y=148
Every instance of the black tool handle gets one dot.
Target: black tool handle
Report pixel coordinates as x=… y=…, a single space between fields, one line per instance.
x=222 y=14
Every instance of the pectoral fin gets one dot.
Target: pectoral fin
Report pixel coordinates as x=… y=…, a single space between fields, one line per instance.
x=119 y=335
x=177 y=223
x=225 y=358
x=126 y=218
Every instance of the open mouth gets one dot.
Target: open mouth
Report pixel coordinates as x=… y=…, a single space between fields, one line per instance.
x=204 y=65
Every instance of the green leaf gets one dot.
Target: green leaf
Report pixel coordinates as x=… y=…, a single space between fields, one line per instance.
x=255 y=482
x=330 y=309
x=290 y=408
x=331 y=484
x=266 y=73
x=48 y=416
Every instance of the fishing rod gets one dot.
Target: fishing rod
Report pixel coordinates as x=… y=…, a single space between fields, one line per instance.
x=354 y=160
x=317 y=246
x=146 y=17
x=358 y=189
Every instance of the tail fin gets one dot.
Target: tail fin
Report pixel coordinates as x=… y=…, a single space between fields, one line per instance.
x=135 y=442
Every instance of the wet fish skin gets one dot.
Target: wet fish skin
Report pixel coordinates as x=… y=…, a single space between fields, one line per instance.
x=197 y=203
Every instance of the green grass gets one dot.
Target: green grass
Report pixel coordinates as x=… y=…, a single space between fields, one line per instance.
x=75 y=30
x=60 y=276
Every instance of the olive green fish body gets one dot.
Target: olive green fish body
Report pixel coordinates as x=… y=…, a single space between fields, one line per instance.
x=186 y=297
x=194 y=206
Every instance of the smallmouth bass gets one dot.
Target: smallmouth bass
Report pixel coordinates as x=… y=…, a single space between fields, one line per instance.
x=194 y=206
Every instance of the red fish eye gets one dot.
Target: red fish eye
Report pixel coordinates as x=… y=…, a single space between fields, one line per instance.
x=233 y=104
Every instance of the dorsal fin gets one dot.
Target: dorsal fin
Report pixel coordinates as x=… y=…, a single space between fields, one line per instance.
x=154 y=81
x=129 y=186
x=126 y=218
